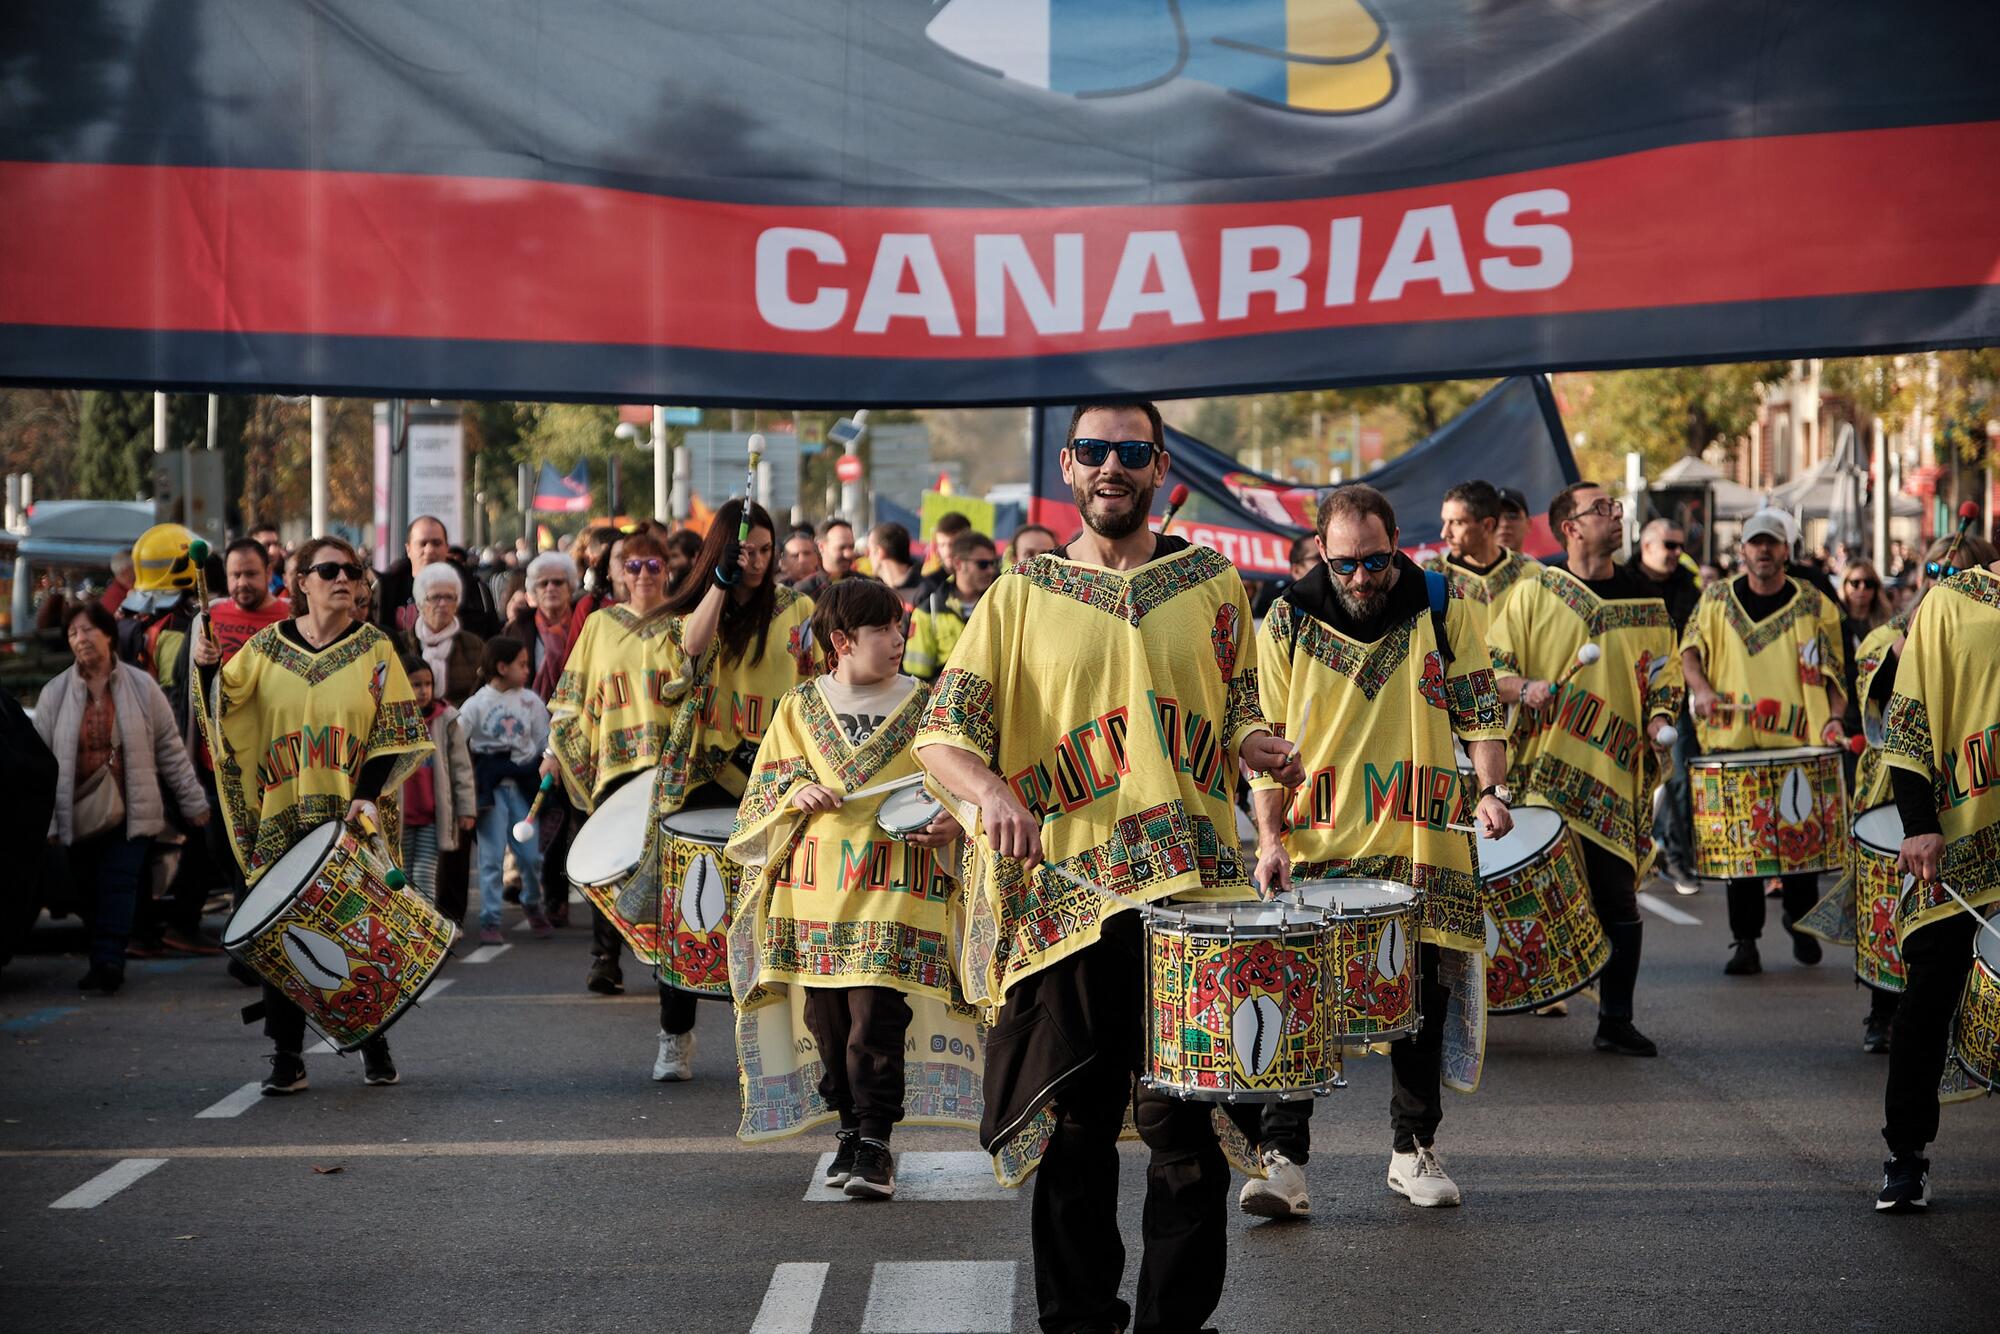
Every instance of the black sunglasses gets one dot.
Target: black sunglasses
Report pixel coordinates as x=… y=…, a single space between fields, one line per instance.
x=650 y=564
x=1671 y=546
x=989 y=563
x=331 y=570
x=1938 y=571
x=1375 y=564
x=1862 y=583
x=1132 y=454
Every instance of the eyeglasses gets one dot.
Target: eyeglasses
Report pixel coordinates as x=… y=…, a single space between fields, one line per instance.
x=989 y=563
x=651 y=565
x=1863 y=583
x=1938 y=571
x=1132 y=454
x=1672 y=546
x=1606 y=509
x=557 y=582
x=1374 y=564
x=442 y=600
x=331 y=570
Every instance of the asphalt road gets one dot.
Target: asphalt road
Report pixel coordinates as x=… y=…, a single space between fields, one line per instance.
x=528 y=1175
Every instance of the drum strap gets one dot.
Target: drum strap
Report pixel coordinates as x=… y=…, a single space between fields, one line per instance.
x=1440 y=593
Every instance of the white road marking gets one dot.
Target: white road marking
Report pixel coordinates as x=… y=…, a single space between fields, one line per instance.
x=236 y=1103
x=924 y=1176
x=1661 y=908
x=792 y=1299
x=487 y=953
x=108 y=1183
x=325 y=1048
x=940 y=1297
x=436 y=989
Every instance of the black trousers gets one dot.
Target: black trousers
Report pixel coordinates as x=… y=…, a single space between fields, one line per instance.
x=454 y=871
x=1416 y=1086
x=1937 y=960
x=1615 y=897
x=1079 y=1256
x=676 y=1007
x=1746 y=903
x=285 y=1024
x=860 y=1033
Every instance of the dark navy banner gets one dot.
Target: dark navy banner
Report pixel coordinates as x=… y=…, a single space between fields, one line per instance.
x=965 y=201
x=1511 y=437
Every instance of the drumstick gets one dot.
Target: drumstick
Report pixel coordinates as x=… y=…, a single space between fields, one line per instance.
x=1985 y=923
x=1077 y=880
x=750 y=487
x=393 y=877
x=525 y=830
x=1585 y=655
x=198 y=558
x=894 y=784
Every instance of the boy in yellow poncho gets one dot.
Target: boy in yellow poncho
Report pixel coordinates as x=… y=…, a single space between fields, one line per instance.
x=840 y=928
x=1764 y=660
x=1940 y=738
x=1587 y=750
x=1094 y=714
x=1389 y=662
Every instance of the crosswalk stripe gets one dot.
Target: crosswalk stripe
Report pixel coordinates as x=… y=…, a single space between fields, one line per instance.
x=487 y=953
x=109 y=1182
x=940 y=1297
x=1661 y=908
x=792 y=1300
x=235 y=1104
x=924 y=1176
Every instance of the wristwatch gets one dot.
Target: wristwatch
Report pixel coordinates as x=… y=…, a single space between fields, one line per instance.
x=1500 y=790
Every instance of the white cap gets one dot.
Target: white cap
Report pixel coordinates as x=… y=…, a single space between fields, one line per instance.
x=1769 y=523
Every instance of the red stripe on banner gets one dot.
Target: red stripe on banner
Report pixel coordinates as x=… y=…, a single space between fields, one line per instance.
x=376 y=255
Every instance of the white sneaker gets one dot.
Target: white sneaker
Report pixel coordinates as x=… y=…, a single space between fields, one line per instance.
x=676 y=1058
x=1420 y=1178
x=1282 y=1192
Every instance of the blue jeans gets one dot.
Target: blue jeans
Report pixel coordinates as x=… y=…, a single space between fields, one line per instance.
x=107 y=868
x=1674 y=829
x=496 y=822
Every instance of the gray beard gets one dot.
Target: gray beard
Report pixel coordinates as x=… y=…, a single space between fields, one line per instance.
x=1360 y=606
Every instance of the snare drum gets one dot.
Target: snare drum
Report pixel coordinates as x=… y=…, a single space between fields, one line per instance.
x=1374 y=925
x=1543 y=939
x=332 y=926
x=908 y=811
x=605 y=865
x=698 y=886
x=1768 y=812
x=1975 y=1035
x=1878 y=840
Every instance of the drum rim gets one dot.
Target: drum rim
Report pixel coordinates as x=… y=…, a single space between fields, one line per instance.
x=688 y=836
x=1196 y=1093
x=1562 y=827
x=643 y=782
x=1395 y=909
x=916 y=796
x=228 y=940
x=408 y=1004
x=1743 y=759
x=1854 y=831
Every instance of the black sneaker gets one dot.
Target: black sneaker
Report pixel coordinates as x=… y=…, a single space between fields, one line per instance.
x=874 y=1175
x=1744 y=961
x=1875 y=1037
x=376 y=1065
x=605 y=978
x=288 y=1075
x=1906 y=1185
x=842 y=1166
x=101 y=978
x=1804 y=947
x=1618 y=1035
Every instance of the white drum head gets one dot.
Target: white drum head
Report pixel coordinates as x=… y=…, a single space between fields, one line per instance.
x=1535 y=827
x=1880 y=829
x=1986 y=948
x=1759 y=758
x=1357 y=898
x=1251 y=916
x=614 y=837
x=703 y=824
x=281 y=883
x=907 y=811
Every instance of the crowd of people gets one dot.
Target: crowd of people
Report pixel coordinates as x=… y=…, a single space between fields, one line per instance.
x=1080 y=716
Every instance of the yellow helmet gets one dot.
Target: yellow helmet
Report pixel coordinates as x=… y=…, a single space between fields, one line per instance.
x=162 y=567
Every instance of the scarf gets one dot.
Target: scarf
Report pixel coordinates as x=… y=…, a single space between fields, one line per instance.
x=437 y=650
x=554 y=650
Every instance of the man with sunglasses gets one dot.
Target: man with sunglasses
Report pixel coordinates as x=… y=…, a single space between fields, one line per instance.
x=1093 y=716
x=1599 y=777
x=1474 y=560
x=1937 y=737
x=1765 y=660
x=940 y=619
x=1390 y=660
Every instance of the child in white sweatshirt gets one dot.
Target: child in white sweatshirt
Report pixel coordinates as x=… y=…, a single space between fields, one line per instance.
x=506 y=726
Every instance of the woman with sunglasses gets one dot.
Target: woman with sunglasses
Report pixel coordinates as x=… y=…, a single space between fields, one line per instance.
x=323 y=674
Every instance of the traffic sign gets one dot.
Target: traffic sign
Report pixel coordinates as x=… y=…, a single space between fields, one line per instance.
x=848 y=468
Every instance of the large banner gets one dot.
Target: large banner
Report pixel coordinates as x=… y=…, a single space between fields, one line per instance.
x=1513 y=436
x=981 y=201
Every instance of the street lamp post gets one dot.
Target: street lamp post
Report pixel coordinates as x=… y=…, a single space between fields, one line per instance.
x=662 y=474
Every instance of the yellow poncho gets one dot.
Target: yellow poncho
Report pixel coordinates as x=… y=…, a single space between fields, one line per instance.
x=291 y=729
x=613 y=711
x=1114 y=704
x=830 y=900
x=1790 y=656
x=734 y=699
x=1586 y=755
x=1381 y=781
x=1943 y=724
x=1871 y=656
